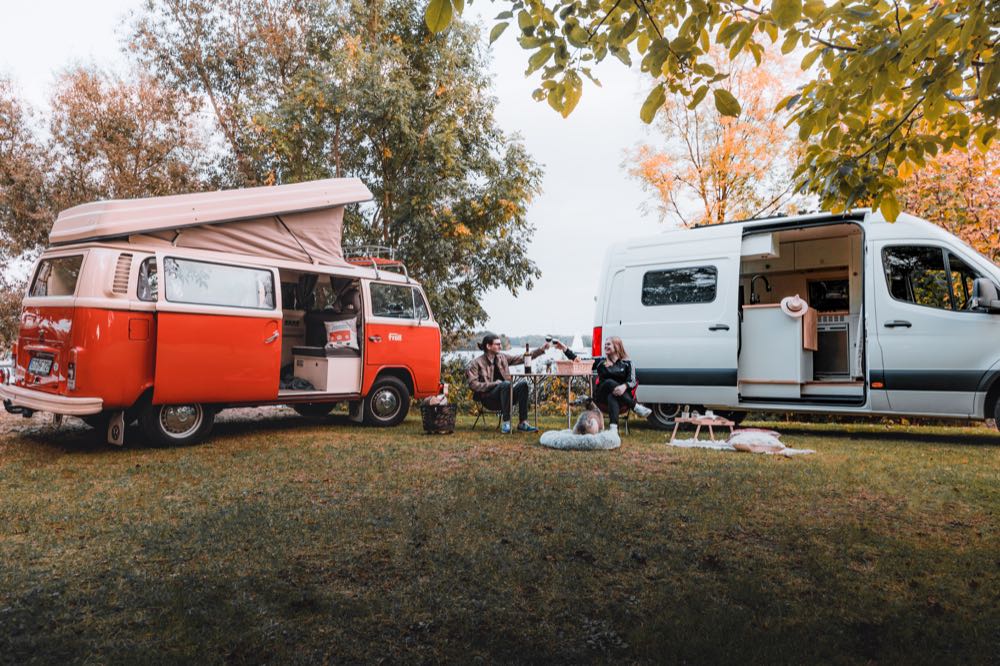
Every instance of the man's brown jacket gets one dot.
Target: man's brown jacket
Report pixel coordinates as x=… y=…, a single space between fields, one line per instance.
x=480 y=373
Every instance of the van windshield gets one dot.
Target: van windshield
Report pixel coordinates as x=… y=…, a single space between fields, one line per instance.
x=57 y=276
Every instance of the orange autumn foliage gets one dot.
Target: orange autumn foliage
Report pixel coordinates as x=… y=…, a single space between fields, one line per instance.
x=959 y=191
x=711 y=168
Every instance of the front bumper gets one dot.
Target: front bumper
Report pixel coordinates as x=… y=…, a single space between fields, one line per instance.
x=17 y=396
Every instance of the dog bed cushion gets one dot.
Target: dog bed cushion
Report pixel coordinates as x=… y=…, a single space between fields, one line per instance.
x=569 y=440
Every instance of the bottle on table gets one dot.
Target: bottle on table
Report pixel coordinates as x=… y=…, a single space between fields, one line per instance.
x=527 y=359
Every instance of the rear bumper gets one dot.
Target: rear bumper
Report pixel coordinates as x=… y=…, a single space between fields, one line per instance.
x=17 y=396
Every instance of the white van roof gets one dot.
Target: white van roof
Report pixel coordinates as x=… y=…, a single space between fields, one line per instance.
x=301 y=222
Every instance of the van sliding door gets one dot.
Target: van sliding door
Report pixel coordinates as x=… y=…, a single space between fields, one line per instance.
x=218 y=333
x=675 y=308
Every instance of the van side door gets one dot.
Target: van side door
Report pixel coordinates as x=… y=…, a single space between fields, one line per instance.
x=399 y=333
x=218 y=332
x=935 y=350
x=675 y=308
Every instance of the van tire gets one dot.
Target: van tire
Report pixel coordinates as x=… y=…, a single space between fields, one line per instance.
x=387 y=403
x=176 y=425
x=664 y=414
x=314 y=410
x=735 y=417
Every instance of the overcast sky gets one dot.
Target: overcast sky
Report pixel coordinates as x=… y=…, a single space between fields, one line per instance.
x=587 y=199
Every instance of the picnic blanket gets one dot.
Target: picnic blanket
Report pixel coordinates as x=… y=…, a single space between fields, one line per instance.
x=750 y=440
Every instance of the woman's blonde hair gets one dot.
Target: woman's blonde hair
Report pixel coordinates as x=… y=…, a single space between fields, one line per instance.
x=616 y=344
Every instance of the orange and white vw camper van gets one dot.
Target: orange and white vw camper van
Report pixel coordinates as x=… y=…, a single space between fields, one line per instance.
x=166 y=310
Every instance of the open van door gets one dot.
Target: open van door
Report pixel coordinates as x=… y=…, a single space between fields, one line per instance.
x=675 y=307
x=218 y=332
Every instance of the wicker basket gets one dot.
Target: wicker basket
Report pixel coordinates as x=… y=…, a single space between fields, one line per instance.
x=575 y=367
x=438 y=419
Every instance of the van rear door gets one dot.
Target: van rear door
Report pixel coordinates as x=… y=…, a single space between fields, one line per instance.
x=218 y=332
x=674 y=304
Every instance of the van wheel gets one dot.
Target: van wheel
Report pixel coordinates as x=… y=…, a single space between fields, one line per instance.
x=387 y=403
x=664 y=414
x=314 y=409
x=173 y=425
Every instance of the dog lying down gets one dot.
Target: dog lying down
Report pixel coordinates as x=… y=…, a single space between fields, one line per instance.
x=588 y=434
x=591 y=421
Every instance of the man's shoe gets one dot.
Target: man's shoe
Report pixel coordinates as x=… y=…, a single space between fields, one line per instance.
x=505 y=427
x=642 y=410
x=524 y=426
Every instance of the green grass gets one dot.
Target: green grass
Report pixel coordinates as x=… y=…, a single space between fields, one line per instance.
x=291 y=541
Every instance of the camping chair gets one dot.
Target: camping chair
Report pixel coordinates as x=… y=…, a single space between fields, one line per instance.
x=623 y=412
x=482 y=412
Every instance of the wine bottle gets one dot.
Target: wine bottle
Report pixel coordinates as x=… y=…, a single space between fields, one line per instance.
x=527 y=359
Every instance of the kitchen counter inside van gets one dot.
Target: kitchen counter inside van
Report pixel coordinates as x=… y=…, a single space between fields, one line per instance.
x=776 y=352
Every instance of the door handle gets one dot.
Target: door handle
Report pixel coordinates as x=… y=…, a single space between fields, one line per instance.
x=374 y=338
x=271 y=338
x=897 y=323
x=719 y=327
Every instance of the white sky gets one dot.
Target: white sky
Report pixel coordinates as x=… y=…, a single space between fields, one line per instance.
x=587 y=199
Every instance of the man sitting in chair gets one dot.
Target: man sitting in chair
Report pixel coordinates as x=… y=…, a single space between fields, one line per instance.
x=489 y=378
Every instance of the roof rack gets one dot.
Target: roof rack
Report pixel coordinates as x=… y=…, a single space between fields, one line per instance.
x=376 y=257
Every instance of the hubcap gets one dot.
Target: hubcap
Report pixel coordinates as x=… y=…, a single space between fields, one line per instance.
x=666 y=412
x=385 y=404
x=180 y=421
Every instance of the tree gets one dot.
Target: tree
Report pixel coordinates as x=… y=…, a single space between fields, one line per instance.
x=369 y=94
x=959 y=191
x=894 y=82
x=735 y=167
x=116 y=139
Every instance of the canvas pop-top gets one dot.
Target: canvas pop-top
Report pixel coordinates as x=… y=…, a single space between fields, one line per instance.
x=165 y=310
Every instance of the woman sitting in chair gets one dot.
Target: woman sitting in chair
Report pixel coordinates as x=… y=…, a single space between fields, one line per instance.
x=615 y=379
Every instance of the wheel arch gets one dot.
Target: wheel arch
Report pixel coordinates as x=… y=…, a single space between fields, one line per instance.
x=400 y=373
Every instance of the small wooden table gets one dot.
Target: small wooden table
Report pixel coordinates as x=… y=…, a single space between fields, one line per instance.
x=700 y=421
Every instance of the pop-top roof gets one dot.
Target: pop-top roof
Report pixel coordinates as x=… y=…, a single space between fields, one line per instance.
x=299 y=222
x=102 y=220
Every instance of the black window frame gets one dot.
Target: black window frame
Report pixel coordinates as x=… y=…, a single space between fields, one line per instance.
x=38 y=269
x=946 y=253
x=138 y=282
x=414 y=294
x=269 y=272
x=715 y=291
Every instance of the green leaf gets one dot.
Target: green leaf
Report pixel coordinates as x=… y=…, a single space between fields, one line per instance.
x=438 y=15
x=524 y=20
x=726 y=103
x=810 y=58
x=889 y=207
x=540 y=57
x=459 y=6
x=630 y=26
x=652 y=104
x=504 y=16
x=786 y=12
x=497 y=31
x=727 y=33
x=699 y=95
x=574 y=89
x=814 y=8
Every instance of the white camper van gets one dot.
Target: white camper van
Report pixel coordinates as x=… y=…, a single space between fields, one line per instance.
x=891 y=318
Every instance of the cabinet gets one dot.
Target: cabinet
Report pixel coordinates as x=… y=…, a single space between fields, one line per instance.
x=822 y=253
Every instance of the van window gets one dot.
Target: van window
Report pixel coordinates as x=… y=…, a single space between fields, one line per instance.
x=420 y=305
x=395 y=300
x=679 y=286
x=57 y=276
x=920 y=275
x=204 y=283
x=149 y=280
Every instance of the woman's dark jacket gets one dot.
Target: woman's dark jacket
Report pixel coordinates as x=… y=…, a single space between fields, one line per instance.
x=622 y=370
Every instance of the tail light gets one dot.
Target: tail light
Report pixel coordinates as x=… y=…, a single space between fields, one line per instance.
x=595 y=346
x=71 y=371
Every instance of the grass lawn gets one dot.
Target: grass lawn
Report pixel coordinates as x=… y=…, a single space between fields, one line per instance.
x=284 y=540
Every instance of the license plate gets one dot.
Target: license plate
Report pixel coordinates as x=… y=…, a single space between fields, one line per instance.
x=40 y=366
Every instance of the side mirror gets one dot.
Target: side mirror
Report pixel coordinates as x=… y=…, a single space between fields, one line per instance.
x=985 y=297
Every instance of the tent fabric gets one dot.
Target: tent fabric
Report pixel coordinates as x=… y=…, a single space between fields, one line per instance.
x=243 y=221
x=313 y=237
